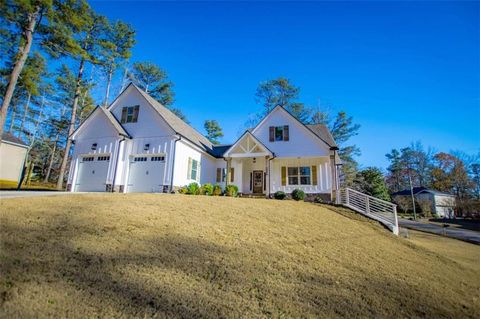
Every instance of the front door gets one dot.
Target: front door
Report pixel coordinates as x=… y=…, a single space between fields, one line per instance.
x=258 y=182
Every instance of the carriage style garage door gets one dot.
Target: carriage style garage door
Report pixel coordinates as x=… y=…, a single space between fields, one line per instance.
x=146 y=174
x=92 y=174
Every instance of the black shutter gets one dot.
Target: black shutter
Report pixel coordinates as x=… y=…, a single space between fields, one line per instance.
x=272 y=133
x=286 y=134
x=124 y=115
x=135 y=113
x=251 y=181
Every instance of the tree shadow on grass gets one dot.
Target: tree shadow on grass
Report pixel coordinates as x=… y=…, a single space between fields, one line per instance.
x=122 y=282
x=176 y=276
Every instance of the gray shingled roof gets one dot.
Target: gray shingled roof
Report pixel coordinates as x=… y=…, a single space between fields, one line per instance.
x=323 y=133
x=114 y=121
x=7 y=137
x=418 y=190
x=178 y=125
x=219 y=150
x=121 y=130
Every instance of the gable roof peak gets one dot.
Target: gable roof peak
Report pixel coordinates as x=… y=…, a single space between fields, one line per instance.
x=178 y=125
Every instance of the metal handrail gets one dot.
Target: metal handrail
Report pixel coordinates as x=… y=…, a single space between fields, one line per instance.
x=372 y=207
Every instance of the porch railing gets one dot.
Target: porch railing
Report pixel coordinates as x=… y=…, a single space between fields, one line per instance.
x=372 y=207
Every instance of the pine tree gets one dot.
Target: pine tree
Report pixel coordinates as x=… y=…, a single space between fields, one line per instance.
x=214 y=131
x=82 y=42
x=21 y=19
x=372 y=182
x=119 y=39
x=154 y=81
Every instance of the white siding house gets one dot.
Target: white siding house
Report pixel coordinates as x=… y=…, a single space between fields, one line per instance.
x=439 y=203
x=138 y=145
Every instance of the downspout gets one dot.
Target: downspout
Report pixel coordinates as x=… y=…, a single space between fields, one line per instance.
x=179 y=137
x=269 y=175
x=116 y=164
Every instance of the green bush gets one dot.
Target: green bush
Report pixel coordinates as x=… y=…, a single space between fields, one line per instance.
x=318 y=200
x=279 y=195
x=231 y=190
x=193 y=189
x=183 y=190
x=217 y=190
x=298 y=194
x=206 y=189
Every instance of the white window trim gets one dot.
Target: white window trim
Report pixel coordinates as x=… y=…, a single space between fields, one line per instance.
x=299 y=176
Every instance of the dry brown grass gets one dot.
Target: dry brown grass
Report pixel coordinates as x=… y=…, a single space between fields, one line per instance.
x=113 y=255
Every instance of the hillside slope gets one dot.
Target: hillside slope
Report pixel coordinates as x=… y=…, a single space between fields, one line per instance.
x=135 y=255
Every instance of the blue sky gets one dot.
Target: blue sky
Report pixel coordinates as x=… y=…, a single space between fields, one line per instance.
x=405 y=71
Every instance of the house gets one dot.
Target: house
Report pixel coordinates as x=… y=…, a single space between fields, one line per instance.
x=138 y=145
x=439 y=203
x=13 y=152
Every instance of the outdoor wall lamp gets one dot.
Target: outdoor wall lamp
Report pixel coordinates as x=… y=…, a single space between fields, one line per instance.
x=146 y=147
x=94 y=146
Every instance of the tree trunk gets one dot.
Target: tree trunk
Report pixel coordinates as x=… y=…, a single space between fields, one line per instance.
x=71 y=126
x=24 y=118
x=52 y=158
x=12 y=118
x=24 y=50
x=124 y=81
x=37 y=122
x=107 y=93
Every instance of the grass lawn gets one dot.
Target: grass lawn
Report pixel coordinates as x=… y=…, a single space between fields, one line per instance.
x=137 y=255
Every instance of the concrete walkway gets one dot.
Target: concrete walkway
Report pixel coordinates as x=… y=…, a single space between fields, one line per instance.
x=457 y=233
x=15 y=194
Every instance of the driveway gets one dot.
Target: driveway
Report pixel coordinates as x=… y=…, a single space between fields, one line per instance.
x=14 y=194
x=461 y=234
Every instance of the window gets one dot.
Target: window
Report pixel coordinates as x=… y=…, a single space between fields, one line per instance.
x=130 y=114
x=87 y=159
x=140 y=159
x=158 y=158
x=103 y=158
x=299 y=175
x=193 y=169
x=221 y=174
x=279 y=133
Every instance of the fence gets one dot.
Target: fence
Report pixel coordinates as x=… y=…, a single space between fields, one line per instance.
x=372 y=207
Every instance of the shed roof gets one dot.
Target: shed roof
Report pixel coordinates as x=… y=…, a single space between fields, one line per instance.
x=418 y=190
x=8 y=137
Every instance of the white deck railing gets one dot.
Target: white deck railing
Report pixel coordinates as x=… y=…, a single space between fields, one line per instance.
x=372 y=207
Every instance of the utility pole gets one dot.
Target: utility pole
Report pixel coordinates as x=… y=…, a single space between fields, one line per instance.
x=411 y=193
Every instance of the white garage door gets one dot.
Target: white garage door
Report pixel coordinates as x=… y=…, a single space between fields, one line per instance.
x=146 y=174
x=92 y=174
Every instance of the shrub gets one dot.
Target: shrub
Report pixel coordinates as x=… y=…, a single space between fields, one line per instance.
x=279 y=195
x=217 y=190
x=206 y=189
x=298 y=194
x=231 y=190
x=318 y=200
x=193 y=189
x=183 y=190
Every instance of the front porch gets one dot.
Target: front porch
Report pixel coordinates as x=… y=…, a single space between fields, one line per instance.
x=255 y=170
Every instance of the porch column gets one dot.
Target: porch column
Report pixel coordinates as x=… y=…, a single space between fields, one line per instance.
x=227 y=175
